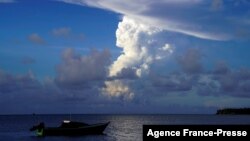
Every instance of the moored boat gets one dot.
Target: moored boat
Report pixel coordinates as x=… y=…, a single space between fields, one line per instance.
x=70 y=128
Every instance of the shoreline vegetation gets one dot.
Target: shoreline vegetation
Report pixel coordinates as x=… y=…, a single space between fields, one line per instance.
x=233 y=111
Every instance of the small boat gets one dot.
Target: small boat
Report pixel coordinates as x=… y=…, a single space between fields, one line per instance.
x=69 y=128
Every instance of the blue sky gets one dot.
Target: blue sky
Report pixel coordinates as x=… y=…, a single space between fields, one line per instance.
x=189 y=56
x=24 y=18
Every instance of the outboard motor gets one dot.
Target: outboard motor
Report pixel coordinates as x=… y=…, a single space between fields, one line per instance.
x=38 y=127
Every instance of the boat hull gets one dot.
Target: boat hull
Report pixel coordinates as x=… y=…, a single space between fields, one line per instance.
x=86 y=130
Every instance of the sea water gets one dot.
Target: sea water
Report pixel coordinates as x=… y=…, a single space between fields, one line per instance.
x=121 y=127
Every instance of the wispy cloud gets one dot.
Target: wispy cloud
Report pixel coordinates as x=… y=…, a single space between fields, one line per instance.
x=63 y=31
x=28 y=60
x=67 y=33
x=191 y=17
x=8 y=1
x=36 y=38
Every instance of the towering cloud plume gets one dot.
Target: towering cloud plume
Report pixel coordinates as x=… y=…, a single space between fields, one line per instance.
x=141 y=46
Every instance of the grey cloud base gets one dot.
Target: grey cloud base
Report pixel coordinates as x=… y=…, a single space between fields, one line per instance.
x=78 y=87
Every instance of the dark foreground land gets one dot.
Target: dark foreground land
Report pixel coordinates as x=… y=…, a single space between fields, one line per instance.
x=234 y=111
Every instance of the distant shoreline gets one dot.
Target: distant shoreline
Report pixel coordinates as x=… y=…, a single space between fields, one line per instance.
x=233 y=111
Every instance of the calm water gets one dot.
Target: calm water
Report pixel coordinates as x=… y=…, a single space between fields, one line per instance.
x=122 y=127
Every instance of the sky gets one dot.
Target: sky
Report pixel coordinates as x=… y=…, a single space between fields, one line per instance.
x=124 y=57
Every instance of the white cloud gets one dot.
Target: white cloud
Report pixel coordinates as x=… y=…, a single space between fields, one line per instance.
x=141 y=46
x=192 y=17
x=117 y=88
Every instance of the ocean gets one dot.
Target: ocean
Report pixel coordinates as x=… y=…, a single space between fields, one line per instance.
x=121 y=128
